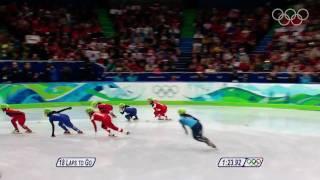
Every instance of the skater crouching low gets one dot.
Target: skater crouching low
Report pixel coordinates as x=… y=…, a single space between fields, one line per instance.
x=130 y=112
x=63 y=119
x=16 y=116
x=195 y=125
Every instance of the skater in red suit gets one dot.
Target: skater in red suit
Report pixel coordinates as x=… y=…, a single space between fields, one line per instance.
x=16 y=116
x=160 y=110
x=106 y=121
x=104 y=108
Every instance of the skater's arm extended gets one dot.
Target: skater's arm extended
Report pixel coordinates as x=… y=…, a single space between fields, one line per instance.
x=52 y=125
x=122 y=110
x=94 y=125
x=68 y=108
x=53 y=112
x=185 y=129
x=113 y=115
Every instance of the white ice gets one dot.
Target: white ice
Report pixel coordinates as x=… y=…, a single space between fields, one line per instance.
x=288 y=140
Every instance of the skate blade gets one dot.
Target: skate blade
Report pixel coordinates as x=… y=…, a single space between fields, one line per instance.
x=16 y=133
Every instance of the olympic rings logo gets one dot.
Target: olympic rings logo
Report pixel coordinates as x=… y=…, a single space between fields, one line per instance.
x=290 y=16
x=255 y=162
x=165 y=90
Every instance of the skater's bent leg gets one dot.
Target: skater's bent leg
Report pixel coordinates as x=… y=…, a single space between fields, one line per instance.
x=14 y=123
x=201 y=138
x=75 y=128
x=63 y=127
x=134 y=115
x=128 y=117
x=70 y=125
x=22 y=124
x=197 y=134
x=21 y=121
x=26 y=128
x=115 y=128
x=162 y=113
x=156 y=114
x=105 y=127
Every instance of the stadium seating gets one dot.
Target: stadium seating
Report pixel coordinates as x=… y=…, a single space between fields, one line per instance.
x=49 y=37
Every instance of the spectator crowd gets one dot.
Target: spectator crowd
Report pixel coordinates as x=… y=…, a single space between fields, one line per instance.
x=225 y=39
x=48 y=72
x=47 y=32
x=297 y=48
x=147 y=40
x=148 y=37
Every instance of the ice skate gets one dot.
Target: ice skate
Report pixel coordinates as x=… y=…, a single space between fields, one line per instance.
x=28 y=131
x=212 y=145
x=16 y=131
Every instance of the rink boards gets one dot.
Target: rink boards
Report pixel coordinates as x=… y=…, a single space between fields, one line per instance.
x=299 y=96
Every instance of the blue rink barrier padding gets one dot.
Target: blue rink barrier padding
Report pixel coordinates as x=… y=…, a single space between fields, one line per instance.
x=80 y=72
x=260 y=77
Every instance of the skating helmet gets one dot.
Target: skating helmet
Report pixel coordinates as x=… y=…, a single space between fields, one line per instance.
x=89 y=110
x=47 y=111
x=4 y=106
x=94 y=104
x=150 y=100
x=181 y=111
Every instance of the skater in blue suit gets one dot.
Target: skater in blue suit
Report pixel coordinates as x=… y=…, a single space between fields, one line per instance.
x=63 y=119
x=195 y=125
x=131 y=112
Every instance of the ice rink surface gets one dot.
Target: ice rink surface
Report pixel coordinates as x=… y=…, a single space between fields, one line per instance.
x=288 y=140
